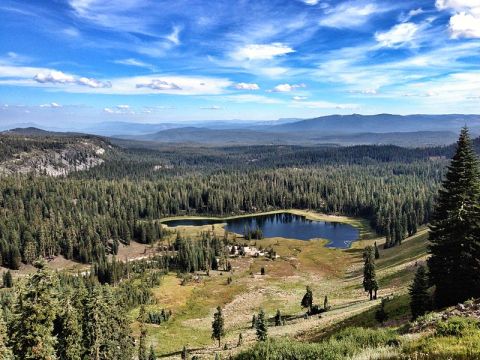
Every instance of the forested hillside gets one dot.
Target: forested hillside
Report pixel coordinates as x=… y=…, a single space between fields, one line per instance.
x=86 y=215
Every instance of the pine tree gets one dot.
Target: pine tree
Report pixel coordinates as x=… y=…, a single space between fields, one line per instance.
x=261 y=326
x=184 y=353
x=5 y=352
x=254 y=321
x=307 y=300
x=7 y=279
x=240 y=339
x=31 y=333
x=69 y=333
x=218 y=330
x=151 y=354
x=377 y=253
x=419 y=297
x=369 y=276
x=278 y=318
x=454 y=266
x=381 y=315
x=142 y=346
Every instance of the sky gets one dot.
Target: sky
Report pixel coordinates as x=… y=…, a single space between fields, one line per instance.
x=66 y=62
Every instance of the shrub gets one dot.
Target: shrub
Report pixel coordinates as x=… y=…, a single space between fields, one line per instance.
x=456 y=326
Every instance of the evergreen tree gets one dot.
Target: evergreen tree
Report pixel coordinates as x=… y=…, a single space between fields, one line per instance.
x=69 y=333
x=240 y=339
x=218 y=330
x=142 y=346
x=369 y=275
x=307 y=300
x=326 y=307
x=419 y=297
x=5 y=352
x=31 y=332
x=454 y=265
x=184 y=354
x=151 y=354
x=7 y=279
x=377 y=253
x=381 y=314
x=254 y=321
x=261 y=326
x=278 y=318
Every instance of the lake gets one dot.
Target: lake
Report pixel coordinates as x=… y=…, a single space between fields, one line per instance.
x=284 y=225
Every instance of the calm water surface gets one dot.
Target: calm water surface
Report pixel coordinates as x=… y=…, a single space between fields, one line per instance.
x=284 y=225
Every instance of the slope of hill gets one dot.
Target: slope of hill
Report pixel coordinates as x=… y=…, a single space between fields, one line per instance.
x=381 y=123
x=32 y=150
x=221 y=137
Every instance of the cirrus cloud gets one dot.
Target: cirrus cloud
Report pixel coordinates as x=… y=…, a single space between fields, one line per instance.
x=261 y=51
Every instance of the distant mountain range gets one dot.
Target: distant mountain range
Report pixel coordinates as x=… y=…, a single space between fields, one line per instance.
x=409 y=130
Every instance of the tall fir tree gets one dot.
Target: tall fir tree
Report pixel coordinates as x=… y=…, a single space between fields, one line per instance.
x=5 y=351
x=218 y=330
x=31 y=331
x=69 y=332
x=370 y=283
x=142 y=346
x=261 y=326
x=307 y=300
x=151 y=354
x=454 y=266
x=419 y=297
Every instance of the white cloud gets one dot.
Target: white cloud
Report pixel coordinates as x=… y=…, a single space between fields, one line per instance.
x=465 y=25
x=365 y=92
x=71 y=32
x=465 y=21
x=174 y=36
x=398 y=36
x=51 y=105
x=59 y=77
x=134 y=85
x=134 y=62
x=54 y=77
x=157 y=84
x=261 y=51
x=123 y=107
x=109 y=110
x=311 y=2
x=299 y=98
x=213 y=107
x=351 y=14
x=247 y=86
x=287 y=87
x=93 y=83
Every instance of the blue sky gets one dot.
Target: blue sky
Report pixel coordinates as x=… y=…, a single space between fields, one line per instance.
x=85 y=61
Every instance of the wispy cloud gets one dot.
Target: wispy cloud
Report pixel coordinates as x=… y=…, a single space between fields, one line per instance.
x=351 y=14
x=247 y=86
x=261 y=51
x=398 y=36
x=134 y=62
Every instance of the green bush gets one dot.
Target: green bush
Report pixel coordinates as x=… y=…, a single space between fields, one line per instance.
x=456 y=326
x=344 y=344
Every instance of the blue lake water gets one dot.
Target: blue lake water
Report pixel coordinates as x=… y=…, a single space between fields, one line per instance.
x=284 y=225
